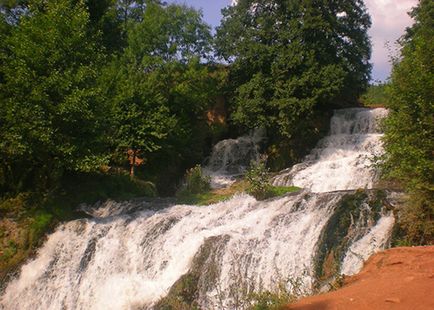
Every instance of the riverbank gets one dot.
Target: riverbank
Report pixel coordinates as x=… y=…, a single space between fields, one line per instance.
x=27 y=217
x=398 y=278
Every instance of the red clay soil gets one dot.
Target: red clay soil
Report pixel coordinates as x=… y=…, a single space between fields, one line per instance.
x=399 y=278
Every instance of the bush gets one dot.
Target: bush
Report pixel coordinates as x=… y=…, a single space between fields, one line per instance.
x=279 y=297
x=195 y=182
x=409 y=129
x=258 y=181
x=416 y=221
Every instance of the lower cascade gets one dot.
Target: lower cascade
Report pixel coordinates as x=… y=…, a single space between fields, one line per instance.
x=130 y=255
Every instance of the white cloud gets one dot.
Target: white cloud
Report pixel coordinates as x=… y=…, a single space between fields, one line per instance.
x=389 y=20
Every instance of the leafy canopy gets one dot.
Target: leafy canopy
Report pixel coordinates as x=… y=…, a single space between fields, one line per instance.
x=410 y=126
x=53 y=117
x=158 y=86
x=291 y=57
x=409 y=129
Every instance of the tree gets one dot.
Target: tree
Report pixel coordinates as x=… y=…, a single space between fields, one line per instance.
x=289 y=58
x=158 y=83
x=53 y=116
x=409 y=129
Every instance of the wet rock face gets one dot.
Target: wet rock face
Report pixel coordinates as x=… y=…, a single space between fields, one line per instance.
x=190 y=291
x=355 y=216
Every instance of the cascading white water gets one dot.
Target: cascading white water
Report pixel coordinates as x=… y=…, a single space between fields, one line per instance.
x=132 y=260
x=128 y=256
x=231 y=157
x=342 y=160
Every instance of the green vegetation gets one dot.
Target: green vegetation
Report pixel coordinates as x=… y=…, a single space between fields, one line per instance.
x=277 y=298
x=291 y=61
x=27 y=217
x=375 y=96
x=409 y=129
x=258 y=182
x=196 y=187
x=195 y=182
x=203 y=199
x=276 y=191
x=130 y=84
x=71 y=102
x=53 y=114
x=105 y=98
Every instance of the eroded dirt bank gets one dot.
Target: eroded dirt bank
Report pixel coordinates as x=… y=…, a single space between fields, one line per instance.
x=399 y=278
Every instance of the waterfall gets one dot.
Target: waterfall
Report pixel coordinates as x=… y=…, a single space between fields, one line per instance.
x=231 y=157
x=342 y=160
x=131 y=254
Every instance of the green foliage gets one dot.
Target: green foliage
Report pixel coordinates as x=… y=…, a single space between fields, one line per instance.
x=67 y=106
x=53 y=117
x=91 y=188
x=23 y=224
x=39 y=225
x=258 y=179
x=258 y=182
x=409 y=129
x=161 y=91
x=416 y=221
x=9 y=251
x=201 y=199
x=290 y=58
x=27 y=217
x=195 y=182
x=277 y=298
x=276 y=191
x=376 y=95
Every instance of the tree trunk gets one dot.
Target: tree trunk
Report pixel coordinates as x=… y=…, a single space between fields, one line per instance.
x=133 y=164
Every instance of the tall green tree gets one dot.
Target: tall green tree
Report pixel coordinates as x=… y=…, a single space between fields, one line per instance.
x=53 y=118
x=291 y=57
x=159 y=86
x=409 y=128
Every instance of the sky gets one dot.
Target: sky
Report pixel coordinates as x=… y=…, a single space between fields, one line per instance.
x=389 y=20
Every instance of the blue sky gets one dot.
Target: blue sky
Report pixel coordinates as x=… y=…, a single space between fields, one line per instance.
x=389 y=20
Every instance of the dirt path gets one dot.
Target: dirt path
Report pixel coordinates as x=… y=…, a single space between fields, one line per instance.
x=399 y=278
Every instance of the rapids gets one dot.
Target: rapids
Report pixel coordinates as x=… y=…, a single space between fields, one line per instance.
x=130 y=254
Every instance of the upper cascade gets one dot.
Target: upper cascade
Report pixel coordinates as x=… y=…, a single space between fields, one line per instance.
x=356 y=121
x=344 y=159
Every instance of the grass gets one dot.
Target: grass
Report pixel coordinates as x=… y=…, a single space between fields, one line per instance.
x=218 y=195
x=211 y=196
x=276 y=191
